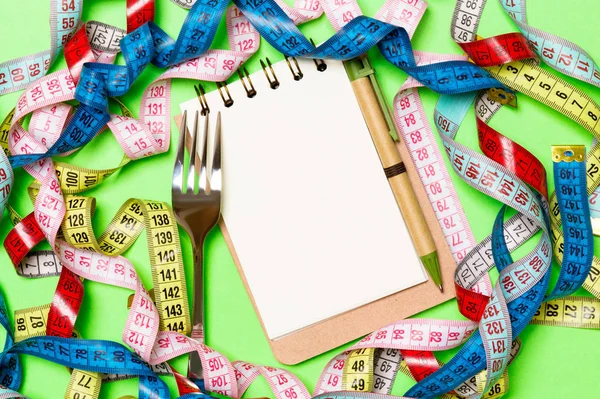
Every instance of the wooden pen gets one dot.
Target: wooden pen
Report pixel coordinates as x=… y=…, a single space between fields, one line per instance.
x=378 y=119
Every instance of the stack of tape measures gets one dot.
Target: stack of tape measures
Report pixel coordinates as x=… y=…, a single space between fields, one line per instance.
x=490 y=74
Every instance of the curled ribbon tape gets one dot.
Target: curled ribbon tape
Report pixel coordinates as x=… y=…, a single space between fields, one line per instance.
x=567 y=286
x=523 y=305
x=65 y=16
x=17 y=73
x=99 y=80
x=561 y=54
x=528 y=78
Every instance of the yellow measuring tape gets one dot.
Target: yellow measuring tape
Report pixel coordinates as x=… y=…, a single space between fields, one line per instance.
x=570 y=311
x=166 y=260
x=528 y=78
x=4 y=130
x=359 y=370
x=31 y=322
x=168 y=274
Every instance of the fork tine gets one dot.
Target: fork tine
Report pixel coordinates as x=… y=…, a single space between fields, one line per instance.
x=191 y=179
x=202 y=180
x=215 y=173
x=178 y=169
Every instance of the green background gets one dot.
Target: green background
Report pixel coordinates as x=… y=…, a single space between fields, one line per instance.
x=554 y=363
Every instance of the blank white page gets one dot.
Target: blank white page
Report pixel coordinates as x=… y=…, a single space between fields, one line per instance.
x=305 y=200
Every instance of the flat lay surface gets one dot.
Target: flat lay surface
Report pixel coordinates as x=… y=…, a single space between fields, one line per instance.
x=555 y=362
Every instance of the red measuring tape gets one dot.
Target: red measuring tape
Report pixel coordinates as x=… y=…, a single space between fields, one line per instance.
x=498 y=50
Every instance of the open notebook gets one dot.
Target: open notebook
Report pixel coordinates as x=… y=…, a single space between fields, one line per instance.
x=307 y=210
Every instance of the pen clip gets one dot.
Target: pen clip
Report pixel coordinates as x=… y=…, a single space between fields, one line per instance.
x=368 y=71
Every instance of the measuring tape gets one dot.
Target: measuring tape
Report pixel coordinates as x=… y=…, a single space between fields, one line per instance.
x=79 y=50
x=32 y=322
x=464 y=23
x=357 y=35
x=18 y=73
x=561 y=54
x=508 y=153
x=126 y=226
x=573 y=97
x=578 y=312
x=469 y=165
x=460 y=75
x=99 y=356
x=65 y=16
x=571 y=194
x=10 y=365
x=469 y=358
x=508 y=284
x=413 y=125
x=438 y=120
x=388 y=362
x=588 y=222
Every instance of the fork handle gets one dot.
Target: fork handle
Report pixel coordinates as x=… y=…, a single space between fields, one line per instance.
x=195 y=369
x=198 y=308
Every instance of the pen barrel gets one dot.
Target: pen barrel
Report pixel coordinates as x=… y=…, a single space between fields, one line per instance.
x=393 y=166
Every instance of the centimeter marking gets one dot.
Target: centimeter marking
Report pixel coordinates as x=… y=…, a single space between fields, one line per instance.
x=561 y=96
x=570 y=311
x=18 y=73
x=561 y=54
x=426 y=156
x=358 y=370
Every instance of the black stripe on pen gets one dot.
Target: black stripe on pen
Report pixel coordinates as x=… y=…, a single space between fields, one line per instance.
x=394 y=170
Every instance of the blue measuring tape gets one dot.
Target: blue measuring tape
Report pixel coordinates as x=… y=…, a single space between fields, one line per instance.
x=358 y=36
x=573 y=205
x=10 y=366
x=570 y=186
x=90 y=355
x=470 y=360
x=150 y=44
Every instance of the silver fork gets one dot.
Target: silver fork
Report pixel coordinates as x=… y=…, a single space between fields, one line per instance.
x=197 y=213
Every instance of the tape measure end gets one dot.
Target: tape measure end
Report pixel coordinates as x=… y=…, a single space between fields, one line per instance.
x=503 y=97
x=568 y=153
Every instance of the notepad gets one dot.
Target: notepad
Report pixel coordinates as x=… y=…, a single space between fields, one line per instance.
x=307 y=208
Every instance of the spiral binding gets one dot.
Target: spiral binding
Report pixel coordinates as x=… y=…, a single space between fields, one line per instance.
x=319 y=63
x=298 y=73
x=248 y=85
x=222 y=86
x=273 y=82
x=200 y=93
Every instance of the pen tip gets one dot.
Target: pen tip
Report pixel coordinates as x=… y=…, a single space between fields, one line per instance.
x=441 y=288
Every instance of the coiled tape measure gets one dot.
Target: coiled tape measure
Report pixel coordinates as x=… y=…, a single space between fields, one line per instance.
x=356 y=34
